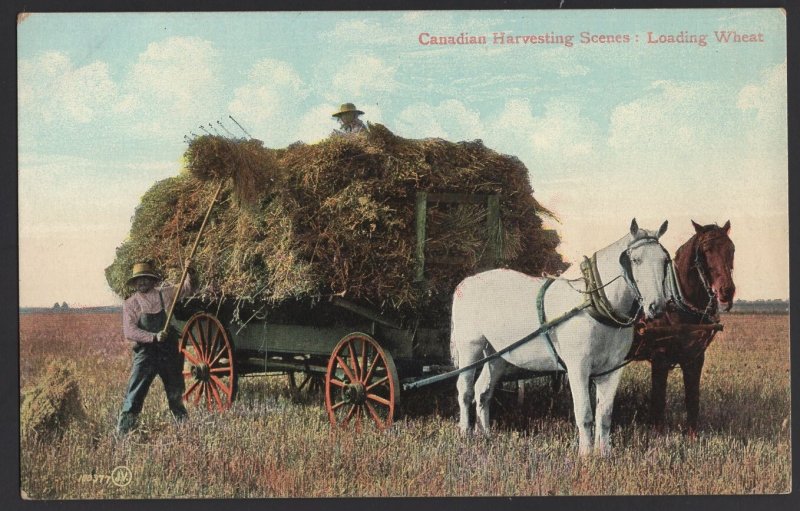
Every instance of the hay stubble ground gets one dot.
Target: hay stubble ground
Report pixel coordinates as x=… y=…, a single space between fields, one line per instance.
x=269 y=445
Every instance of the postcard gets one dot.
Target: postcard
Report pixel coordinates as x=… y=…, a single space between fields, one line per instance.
x=403 y=253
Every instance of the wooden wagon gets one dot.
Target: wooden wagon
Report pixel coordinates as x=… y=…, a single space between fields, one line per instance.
x=359 y=356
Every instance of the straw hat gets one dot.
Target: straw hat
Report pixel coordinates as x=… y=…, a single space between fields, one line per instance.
x=143 y=270
x=347 y=107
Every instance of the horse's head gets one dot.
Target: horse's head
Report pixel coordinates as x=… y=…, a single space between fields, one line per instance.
x=644 y=264
x=713 y=258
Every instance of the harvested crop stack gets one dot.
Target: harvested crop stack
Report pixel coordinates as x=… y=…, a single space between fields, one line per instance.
x=337 y=218
x=55 y=401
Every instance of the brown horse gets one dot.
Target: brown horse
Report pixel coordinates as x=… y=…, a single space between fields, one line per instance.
x=702 y=283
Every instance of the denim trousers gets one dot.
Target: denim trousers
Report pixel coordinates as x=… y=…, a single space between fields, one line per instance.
x=151 y=360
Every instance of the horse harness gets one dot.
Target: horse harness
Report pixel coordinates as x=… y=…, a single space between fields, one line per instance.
x=709 y=314
x=595 y=304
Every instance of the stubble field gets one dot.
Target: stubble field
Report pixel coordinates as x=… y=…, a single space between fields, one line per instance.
x=271 y=444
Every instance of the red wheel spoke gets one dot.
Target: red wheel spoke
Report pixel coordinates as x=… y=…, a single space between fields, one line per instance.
x=338 y=405
x=207 y=338
x=220 y=370
x=191 y=358
x=346 y=369
x=219 y=353
x=349 y=415
x=187 y=373
x=372 y=367
x=379 y=399
x=214 y=391
x=199 y=393
x=358 y=418
x=200 y=338
x=208 y=395
x=227 y=389
x=338 y=383
x=363 y=359
x=379 y=382
x=354 y=358
x=213 y=347
x=191 y=388
x=374 y=414
x=194 y=344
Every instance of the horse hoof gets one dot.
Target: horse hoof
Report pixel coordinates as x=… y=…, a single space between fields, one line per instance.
x=603 y=452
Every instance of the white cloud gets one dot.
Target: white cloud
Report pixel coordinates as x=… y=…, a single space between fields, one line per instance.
x=559 y=142
x=269 y=100
x=363 y=75
x=450 y=119
x=172 y=87
x=767 y=133
x=678 y=125
x=52 y=89
x=316 y=123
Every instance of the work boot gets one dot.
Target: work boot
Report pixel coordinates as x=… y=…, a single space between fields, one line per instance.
x=127 y=422
x=180 y=416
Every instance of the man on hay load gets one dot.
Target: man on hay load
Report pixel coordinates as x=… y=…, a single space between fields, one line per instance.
x=155 y=352
x=349 y=122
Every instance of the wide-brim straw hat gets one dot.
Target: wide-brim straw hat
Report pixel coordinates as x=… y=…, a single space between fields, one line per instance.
x=347 y=107
x=143 y=270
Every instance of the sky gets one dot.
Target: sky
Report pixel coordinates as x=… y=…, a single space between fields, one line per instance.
x=608 y=130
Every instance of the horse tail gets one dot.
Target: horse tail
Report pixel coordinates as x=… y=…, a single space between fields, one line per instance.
x=453 y=347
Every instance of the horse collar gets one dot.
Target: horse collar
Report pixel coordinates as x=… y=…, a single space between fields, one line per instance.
x=599 y=306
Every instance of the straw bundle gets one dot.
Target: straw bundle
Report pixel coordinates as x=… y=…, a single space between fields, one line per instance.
x=52 y=403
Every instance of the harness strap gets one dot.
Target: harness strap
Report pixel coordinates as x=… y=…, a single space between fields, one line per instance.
x=542 y=328
x=601 y=309
x=680 y=301
x=618 y=366
x=543 y=320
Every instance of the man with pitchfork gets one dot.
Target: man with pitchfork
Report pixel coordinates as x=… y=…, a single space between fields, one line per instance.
x=155 y=348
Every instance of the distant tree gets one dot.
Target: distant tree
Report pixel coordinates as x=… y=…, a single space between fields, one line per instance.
x=56 y=306
x=64 y=305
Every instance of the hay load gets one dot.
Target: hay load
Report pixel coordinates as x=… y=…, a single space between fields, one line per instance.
x=336 y=218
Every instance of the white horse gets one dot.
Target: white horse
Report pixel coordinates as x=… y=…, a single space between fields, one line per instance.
x=493 y=309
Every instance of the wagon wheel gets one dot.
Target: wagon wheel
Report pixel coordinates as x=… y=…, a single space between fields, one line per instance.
x=208 y=368
x=305 y=382
x=361 y=383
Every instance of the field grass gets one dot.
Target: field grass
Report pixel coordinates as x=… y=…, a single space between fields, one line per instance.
x=269 y=445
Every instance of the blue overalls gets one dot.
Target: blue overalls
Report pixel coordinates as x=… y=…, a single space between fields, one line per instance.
x=149 y=360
